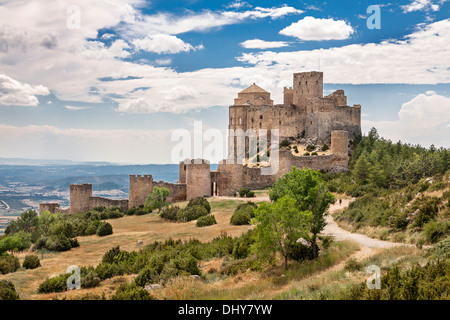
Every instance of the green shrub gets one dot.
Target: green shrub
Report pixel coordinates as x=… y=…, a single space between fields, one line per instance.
x=109 y=270
x=352 y=265
x=243 y=214
x=435 y=230
x=250 y=194
x=104 y=229
x=241 y=248
x=243 y=192
x=285 y=143
x=441 y=250
x=8 y=291
x=191 y=213
x=8 y=263
x=58 y=243
x=314 y=154
x=148 y=275
x=131 y=292
x=310 y=148
x=131 y=211
x=90 y=279
x=326 y=241
x=200 y=201
x=240 y=218
x=429 y=282
x=207 y=220
x=31 y=262
x=325 y=147
x=233 y=267
x=170 y=213
x=299 y=252
x=55 y=284
x=142 y=211
x=306 y=154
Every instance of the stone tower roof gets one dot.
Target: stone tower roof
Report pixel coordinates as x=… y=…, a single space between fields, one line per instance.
x=254 y=89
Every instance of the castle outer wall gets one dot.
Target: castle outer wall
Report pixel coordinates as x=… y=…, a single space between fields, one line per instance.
x=305 y=113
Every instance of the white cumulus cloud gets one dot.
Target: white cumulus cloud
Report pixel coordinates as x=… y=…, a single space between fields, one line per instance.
x=15 y=93
x=310 y=28
x=423 y=5
x=262 y=44
x=163 y=43
x=425 y=119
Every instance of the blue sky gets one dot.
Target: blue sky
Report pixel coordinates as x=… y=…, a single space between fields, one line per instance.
x=111 y=80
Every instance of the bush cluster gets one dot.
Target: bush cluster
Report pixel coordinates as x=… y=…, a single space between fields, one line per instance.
x=31 y=262
x=196 y=208
x=131 y=292
x=8 y=291
x=55 y=232
x=205 y=221
x=8 y=263
x=159 y=262
x=139 y=211
x=244 y=192
x=429 y=282
x=243 y=214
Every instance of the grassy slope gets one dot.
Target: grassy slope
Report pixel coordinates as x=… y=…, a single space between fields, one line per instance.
x=127 y=231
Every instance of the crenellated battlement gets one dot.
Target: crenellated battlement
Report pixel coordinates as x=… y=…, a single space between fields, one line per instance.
x=305 y=113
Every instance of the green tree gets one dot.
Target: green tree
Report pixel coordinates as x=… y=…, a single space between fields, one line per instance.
x=363 y=169
x=311 y=194
x=278 y=224
x=157 y=199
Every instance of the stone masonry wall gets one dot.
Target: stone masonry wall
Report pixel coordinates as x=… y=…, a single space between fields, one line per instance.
x=79 y=197
x=140 y=188
x=108 y=203
x=50 y=207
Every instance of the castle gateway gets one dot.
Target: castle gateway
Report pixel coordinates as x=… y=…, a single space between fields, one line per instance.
x=307 y=123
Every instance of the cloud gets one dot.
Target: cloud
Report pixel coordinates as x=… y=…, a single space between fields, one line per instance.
x=310 y=28
x=73 y=108
x=163 y=43
x=425 y=119
x=74 y=68
x=422 y=5
x=238 y=5
x=261 y=44
x=167 y=23
x=49 y=142
x=14 y=93
x=424 y=52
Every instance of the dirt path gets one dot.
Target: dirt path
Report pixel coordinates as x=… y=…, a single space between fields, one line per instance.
x=340 y=234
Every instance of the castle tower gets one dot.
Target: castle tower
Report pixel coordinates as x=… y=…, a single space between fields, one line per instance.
x=51 y=207
x=140 y=188
x=198 y=178
x=339 y=148
x=254 y=95
x=288 y=96
x=307 y=85
x=80 y=197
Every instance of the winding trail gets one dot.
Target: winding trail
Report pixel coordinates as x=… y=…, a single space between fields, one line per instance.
x=334 y=230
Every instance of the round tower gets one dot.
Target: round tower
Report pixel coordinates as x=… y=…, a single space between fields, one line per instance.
x=339 y=148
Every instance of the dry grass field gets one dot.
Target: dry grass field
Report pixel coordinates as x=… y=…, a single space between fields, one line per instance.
x=317 y=279
x=127 y=231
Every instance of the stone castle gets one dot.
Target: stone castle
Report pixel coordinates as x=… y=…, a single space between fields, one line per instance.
x=306 y=117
